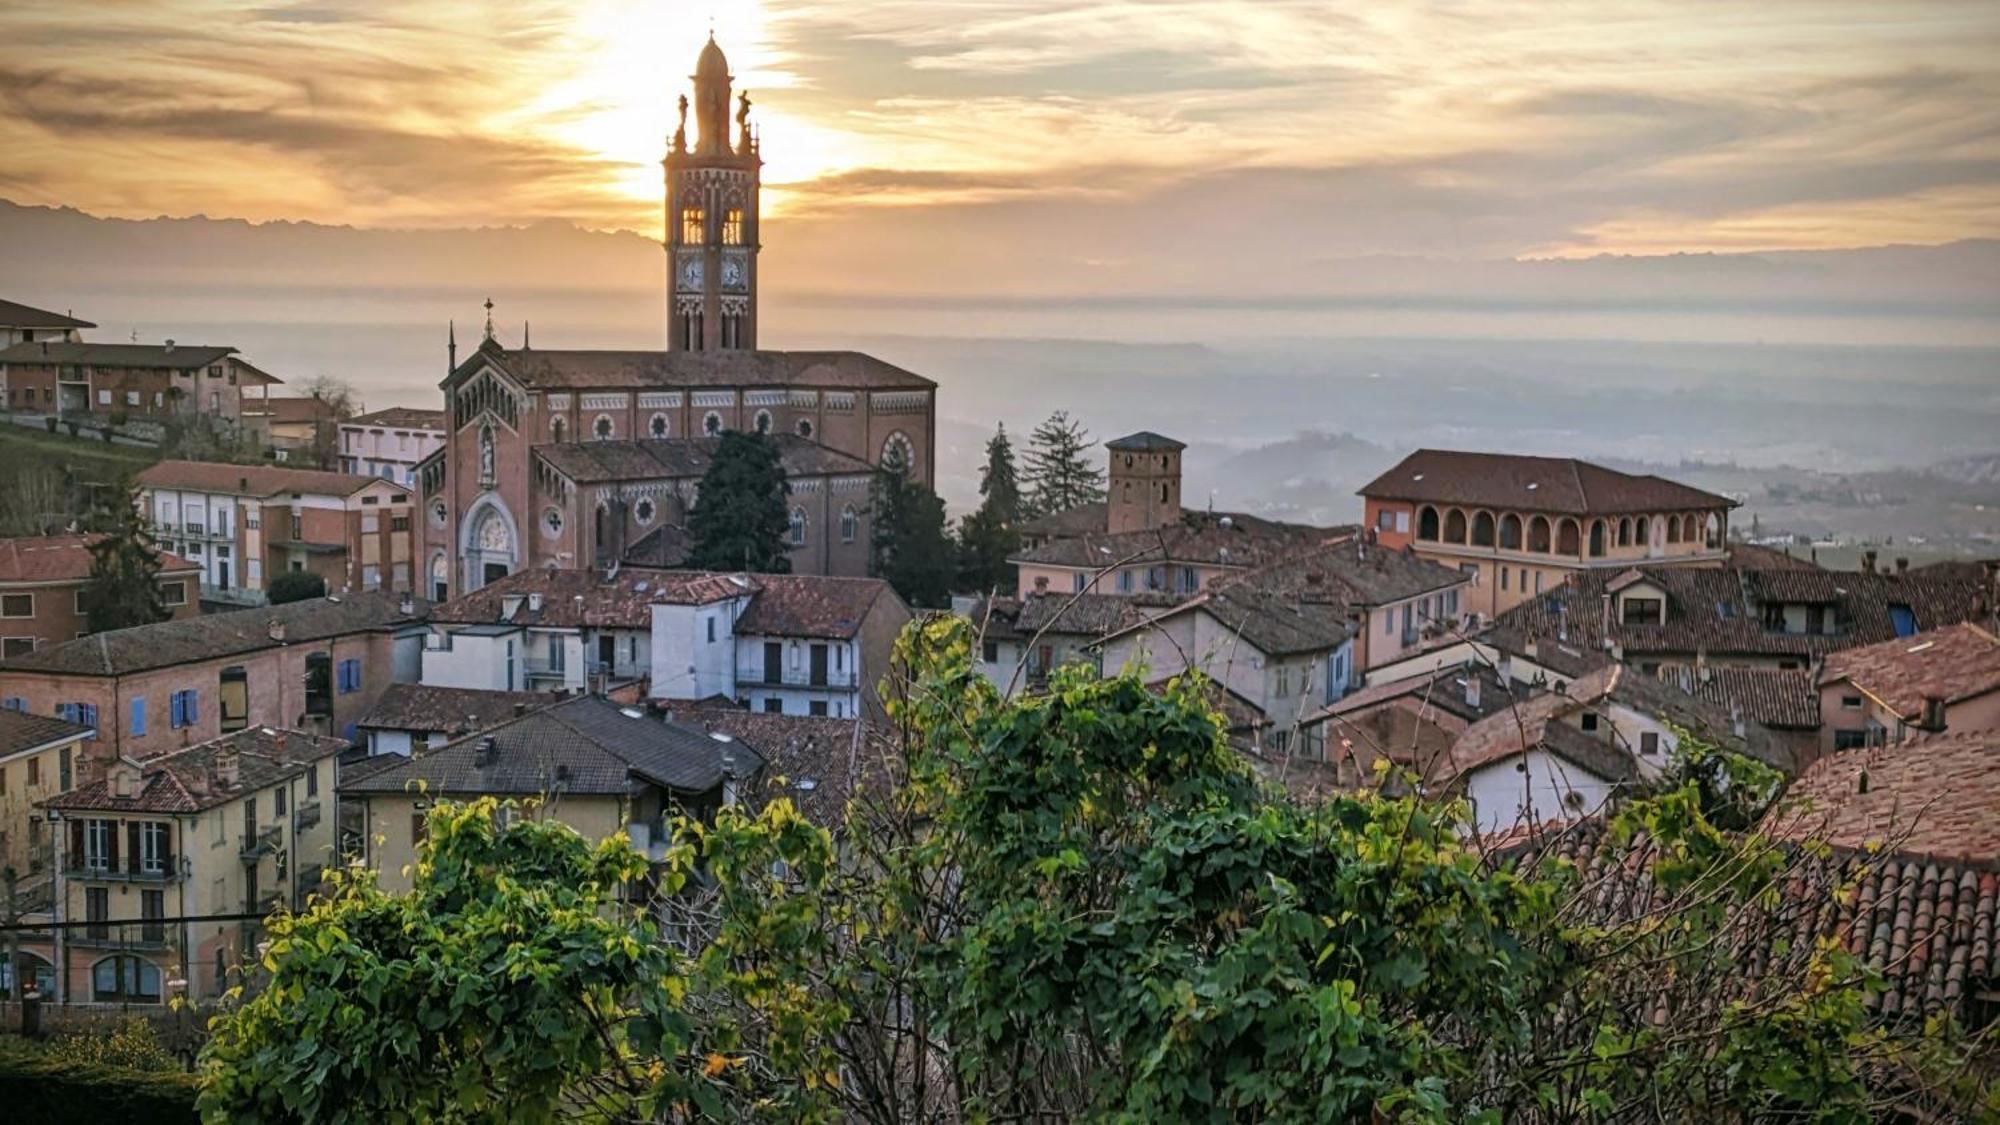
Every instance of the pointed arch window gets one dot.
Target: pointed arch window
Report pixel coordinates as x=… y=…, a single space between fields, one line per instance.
x=798 y=527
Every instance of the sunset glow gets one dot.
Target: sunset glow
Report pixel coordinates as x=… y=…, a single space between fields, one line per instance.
x=1635 y=126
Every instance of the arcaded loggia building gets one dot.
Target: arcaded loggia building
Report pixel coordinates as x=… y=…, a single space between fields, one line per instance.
x=561 y=458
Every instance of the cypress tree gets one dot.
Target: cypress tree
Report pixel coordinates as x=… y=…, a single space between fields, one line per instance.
x=987 y=537
x=908 y=545
x=740 y=521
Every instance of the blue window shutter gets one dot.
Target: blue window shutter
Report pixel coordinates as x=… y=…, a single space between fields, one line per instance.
x=66 y=712
x=176 y=711
x=352 y=734
x=88 y=716
x=138 y=716
x=194 y=708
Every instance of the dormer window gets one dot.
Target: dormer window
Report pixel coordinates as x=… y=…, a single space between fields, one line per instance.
x=1642 y=611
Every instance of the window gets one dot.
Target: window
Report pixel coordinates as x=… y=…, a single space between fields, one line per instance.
x=63 y=775
x=1589 y=720
x=278 y=802
x=1503 y=578
x=774 y=706
x=153 y=856
x=989 y=651
x=732 y=227
x=848 y=522
x=1282 y=682
x=1850 y=703
x=350 y=677
x=16 y=646
x=556 y=426
x=602 y=427
x=312 y=782
x=1078 y=582
x=131 y=398
x=816 y=707
x=1640 y=611
x=97 y=912
x=1385 y=520
x=399 y=523
x=1849 y=739
x=711 y=630
x=732 y=330
x=711 y=423
x=175 y=593
x=97 y=845
x=798 y=527
x=152 y=908
x=104 y=398
x=138 y=716
x=691 y=333
x=657 y=425
x=762 y=422
x=34 y=772
x=125 y=977
x=17 y=605
x=183 y=709
x=645 y=510
x=1649 y=743
x=298 y=526
x=804 y=427
x=419 y=830
x=1124 y=581
x=694 y=227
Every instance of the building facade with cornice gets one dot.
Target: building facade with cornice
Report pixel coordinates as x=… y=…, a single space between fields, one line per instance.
x=565 y=458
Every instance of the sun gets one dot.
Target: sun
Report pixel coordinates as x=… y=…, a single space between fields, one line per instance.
x=630 y=64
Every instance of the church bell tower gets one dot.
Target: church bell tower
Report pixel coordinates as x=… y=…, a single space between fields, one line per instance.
x=711 y=220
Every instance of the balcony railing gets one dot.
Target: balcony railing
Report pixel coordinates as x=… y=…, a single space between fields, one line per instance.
x=167 y=871
x=263 y=842
x=305 y=816
x=831 y=680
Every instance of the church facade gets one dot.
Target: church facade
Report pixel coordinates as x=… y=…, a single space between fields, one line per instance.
x=565 y=458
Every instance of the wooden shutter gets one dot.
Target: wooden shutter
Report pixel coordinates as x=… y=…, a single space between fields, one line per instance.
x=132 y=846
x=111 y=841
x=76 y=843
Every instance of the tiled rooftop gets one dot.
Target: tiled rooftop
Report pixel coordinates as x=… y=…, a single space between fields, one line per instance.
x=455 y=711
x=560 y=369
x=211 y=636
x=1952 y=664
x=587 y=462
x=580 y=598
x=255 y=480
x=189 y=780
x=21 y=731
x=63 y=558
x=1533 y=484
x=1936 y=796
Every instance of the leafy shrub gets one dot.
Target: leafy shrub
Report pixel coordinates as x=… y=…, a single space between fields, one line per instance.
x=134 y=1045
x=296 y=586
x=41 y=1085
x=50 y=423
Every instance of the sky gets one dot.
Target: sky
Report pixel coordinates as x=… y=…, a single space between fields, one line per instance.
x=1130 y=141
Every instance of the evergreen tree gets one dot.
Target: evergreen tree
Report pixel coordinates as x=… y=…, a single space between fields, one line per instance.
x=1060 y=475
x=739 y=521
x=987 y=537
x=295 y=586
x=908 y=545
x=124 y=586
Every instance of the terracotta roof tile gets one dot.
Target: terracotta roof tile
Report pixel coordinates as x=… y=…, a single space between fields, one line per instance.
x=557 y=370
x=1952 y=664
x=400 y=418
x=577 y=598
x=802 y=605
x=21 y=731
x=819 y=763
x=1533 y=484
x=181 y=357
x=63 y=558
x=255 y=480
x=1782 y=699
x=1936 y=796
x=189 y=781
x=455 y=711
x=1229 y=539
x=211 y=636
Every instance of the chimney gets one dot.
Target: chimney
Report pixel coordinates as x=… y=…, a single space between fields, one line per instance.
x=487 y=750
x=227 y=763
x=276 y=630
x=535 y=602
x=1868 y=562
x=520 y=709
x=169 y=349
x=124 y=781
x=1933 y=714
x=1472 y=690
x=1604 y=620
x=408 y=605
x=1902 y=566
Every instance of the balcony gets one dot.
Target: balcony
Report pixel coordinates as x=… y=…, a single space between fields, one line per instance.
x=830 y=681
x=257 y=845
x=305 y=816
x=167 y=870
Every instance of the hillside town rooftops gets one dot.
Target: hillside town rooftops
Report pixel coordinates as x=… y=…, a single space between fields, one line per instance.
x=801 y=605
x=255 y=480
x=584 y=598
x=1225 y=539
x=816 y=762
x=1934 y=796
x=193 y=640
x=1352 y=570
x=290 y=410
x=1779 y=698
x=63 y=558
x=1561 y=485
x=586 y=745
x=204 y=775
x=455 y=711
x=400 y=418
x=557 y=370
x=21 y=732
x=1951 y=664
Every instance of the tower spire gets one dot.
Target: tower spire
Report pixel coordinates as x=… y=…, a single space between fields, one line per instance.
x=451 y=346
x=489 y=318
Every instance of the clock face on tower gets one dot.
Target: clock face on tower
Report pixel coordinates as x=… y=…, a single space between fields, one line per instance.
x=732 y=272
x=691 y=272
